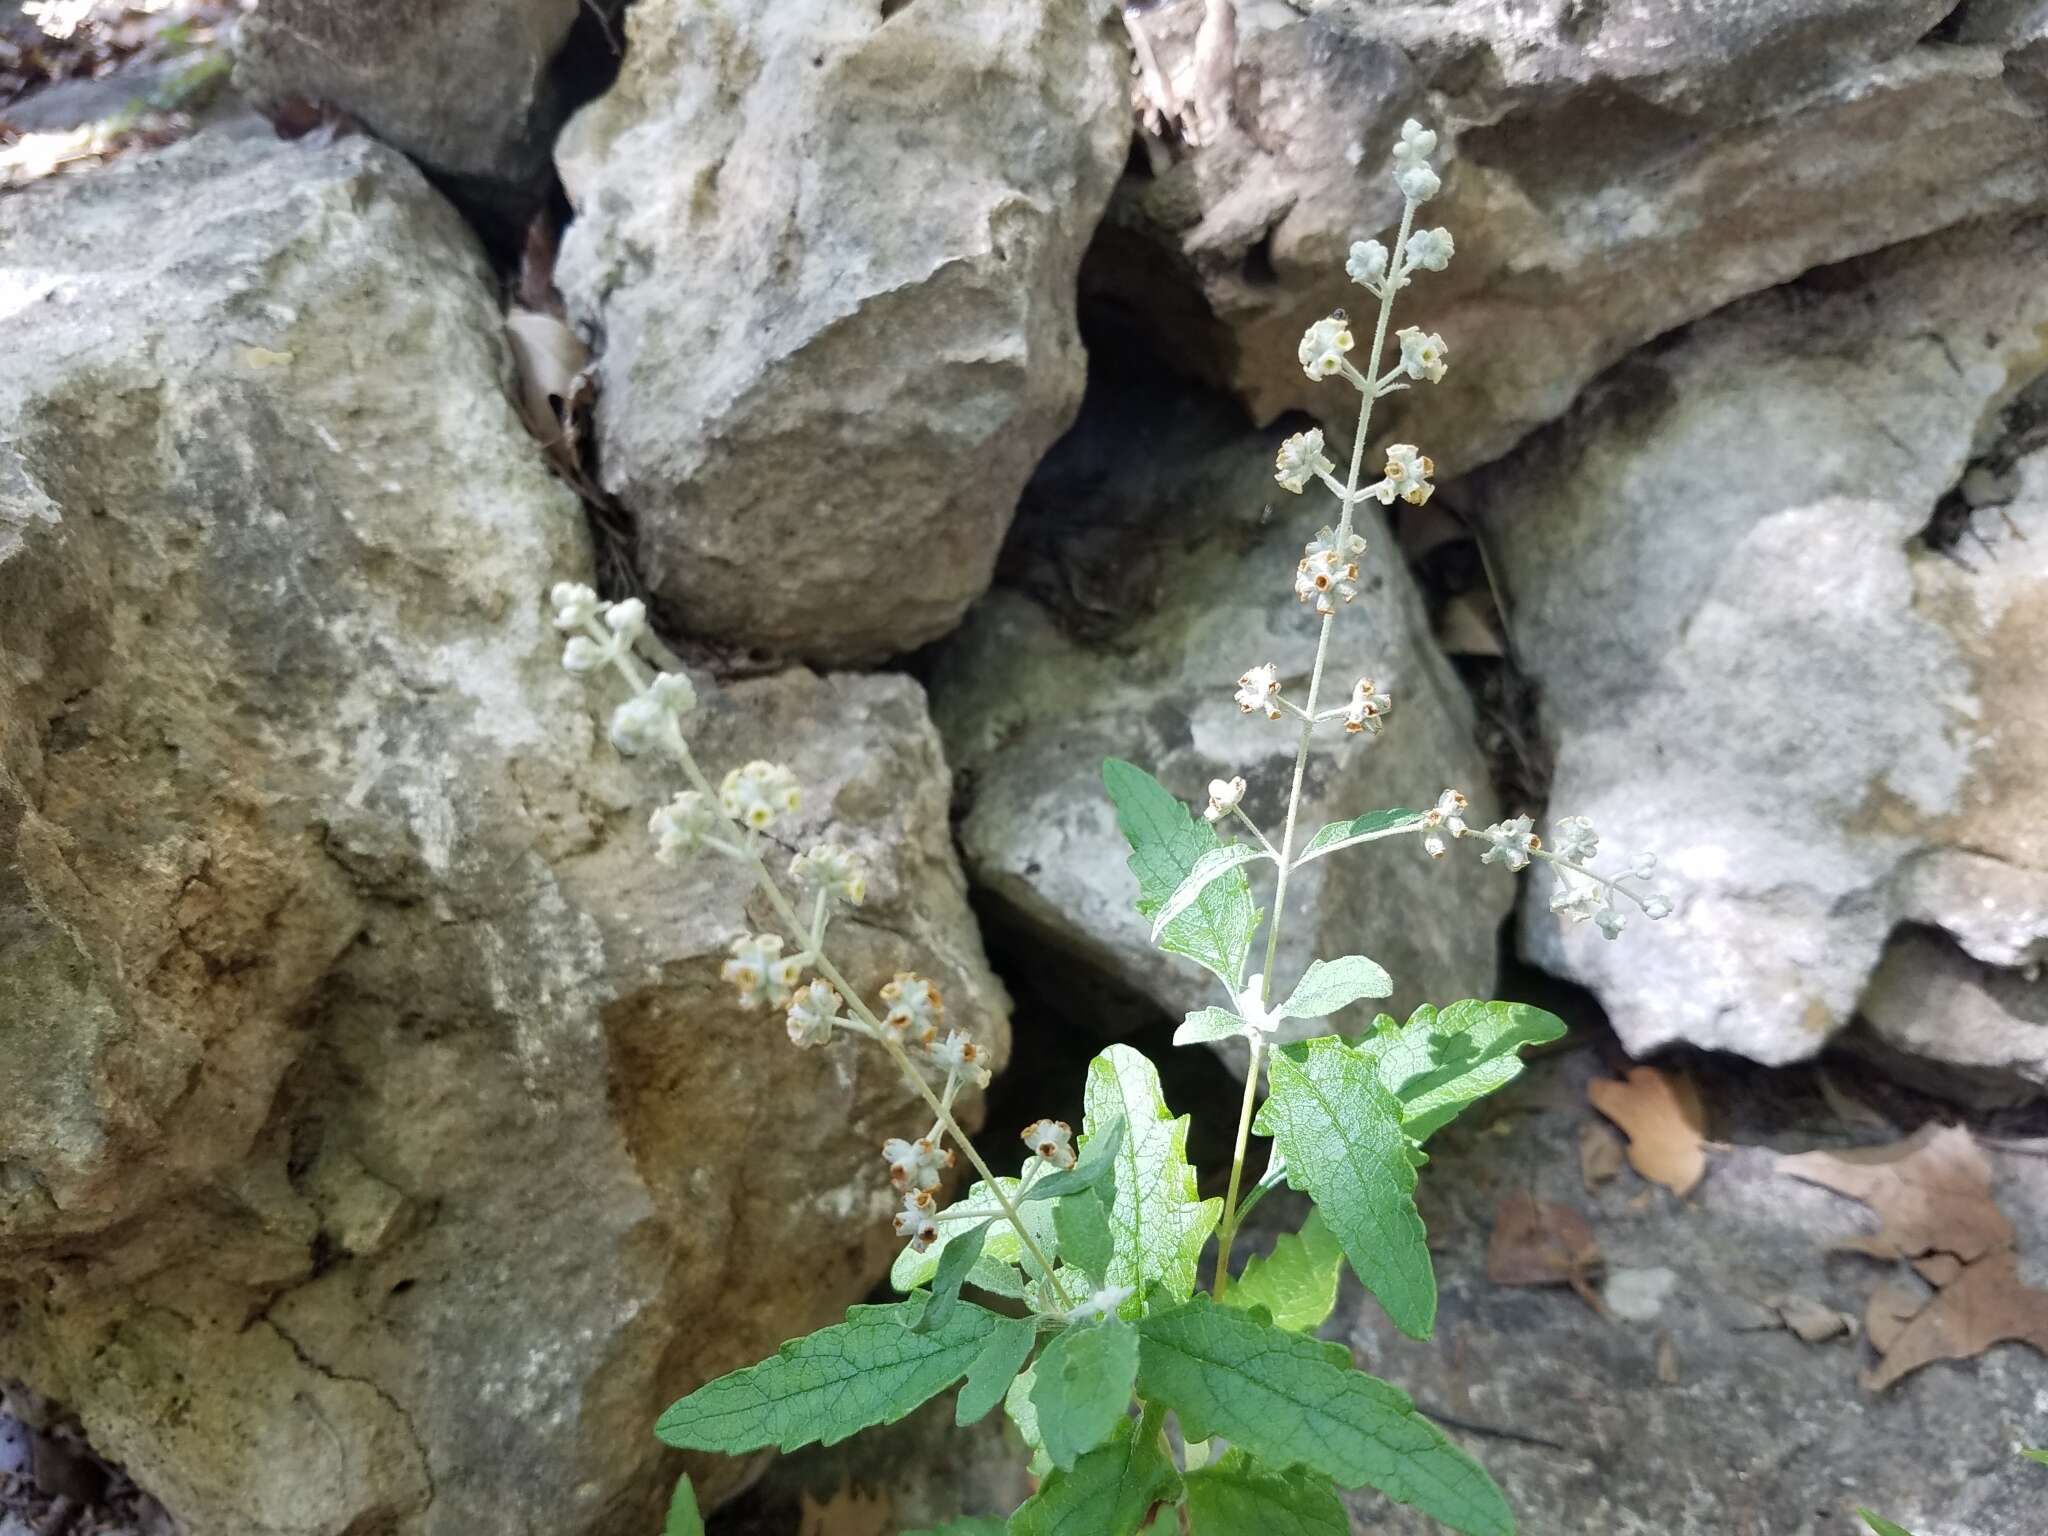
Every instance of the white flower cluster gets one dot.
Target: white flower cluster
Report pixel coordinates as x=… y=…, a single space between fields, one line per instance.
x=1328 y=572
x=1259 y=689
x=1582 y=894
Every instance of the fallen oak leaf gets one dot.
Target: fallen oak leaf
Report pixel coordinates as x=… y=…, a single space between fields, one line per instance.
x=1536 y=1242
x=1932 y=1194
x=1986 y=1304
x=1892 y=1306
x=1663 y=1122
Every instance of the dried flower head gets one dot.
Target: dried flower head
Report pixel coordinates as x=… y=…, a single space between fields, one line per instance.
x=915 y=1007
x=1225 y=796
x=1300 y=458
x=1368 y=708
x=1052 y=1140
x=1257 y=690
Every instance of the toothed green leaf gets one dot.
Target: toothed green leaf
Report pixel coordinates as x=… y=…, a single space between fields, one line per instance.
x=1157 y=1220
x=1443 y=1059
x=959 y=1258
x=1238 y=1497
x=1112 y=1491
x=871 y=1369
x=1166 y=842
x=1340 y=1131
x=1290 y=1400
x=1364 y=829
x=1208 y=869
x=1083 y=1387
x=1297 y=1281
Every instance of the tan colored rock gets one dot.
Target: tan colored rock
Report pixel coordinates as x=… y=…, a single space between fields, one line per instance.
x=828 y=249
x=383 y=1151
x=1610 y=173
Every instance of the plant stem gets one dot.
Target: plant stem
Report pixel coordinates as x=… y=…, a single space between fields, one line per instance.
x=1226 y=1231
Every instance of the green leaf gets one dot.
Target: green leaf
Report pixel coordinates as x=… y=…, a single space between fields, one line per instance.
x=1083 y=1387
x=1082 y=1222
x=993 y=1371
x=1112 y=1491
x=1238 y=1497
x=1096 y=1162
x=871 y=1369
x=1297 y=1281
x=1156 y=1217
x=1882 y=1526
x=959 y=1258
x=1332 y=984
x=1367 y=828
x=1209 y=868
x=1166 y=842
x=967 y=1525
x=2040 y=1456
x=1340 y=1131
x=1288 y=1400
x=913 y=1269
x=1205 y=1025
x=1024 y=1414
x=683 y=1519
x=1444 y=1059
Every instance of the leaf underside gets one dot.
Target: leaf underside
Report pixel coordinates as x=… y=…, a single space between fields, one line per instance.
x=1157 y=1220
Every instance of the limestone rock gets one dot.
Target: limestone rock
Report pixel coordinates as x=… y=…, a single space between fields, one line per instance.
x=1753 y=664
x=1155 y=566
x=1959 y=1027
x=465 y=86
x=829 y=250
x=1610 y=172
x=382 y=1151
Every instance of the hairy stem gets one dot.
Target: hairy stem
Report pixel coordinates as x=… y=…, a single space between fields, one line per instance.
x=1226 y=1231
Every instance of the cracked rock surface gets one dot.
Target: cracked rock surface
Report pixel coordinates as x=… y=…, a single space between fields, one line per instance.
x=382 y=1152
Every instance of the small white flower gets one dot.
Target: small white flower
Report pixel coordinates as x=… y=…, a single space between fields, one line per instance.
x=575 y=605
x=1326 y=574
x=1052 y=1140
x=1422 y=356
x=1611 y=920
x=1225 y=796
x=681 y=825
x=1407 y=472
x=1576 y=897
x=915 y=1222
x=915 y=1007
x=641 y=724
x=1656 y=908
x=1645 y=865
x=757 y=968
x=1447 y=815
x=1431 y=249
x=1417 y=144
x=1301 y=457
x=1104 y=1303
x=1418 y=183
x=583 y=654
x=962 y=1057
x=1575 y=839
x=1510 y=843
x=1368 y=708
x=1323 y=346
x=915 y=1165
x=813 y=1013
x=833 y=870
x=627 y=622
x=756 y=794
x=1367 y=263
x=1255 y=691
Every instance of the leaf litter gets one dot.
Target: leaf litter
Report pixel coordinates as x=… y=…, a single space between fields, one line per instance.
x=1664 y=1123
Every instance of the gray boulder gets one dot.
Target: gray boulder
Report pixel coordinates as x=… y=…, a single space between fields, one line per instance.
x=829 y=251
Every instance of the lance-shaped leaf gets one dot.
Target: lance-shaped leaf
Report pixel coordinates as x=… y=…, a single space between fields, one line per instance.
x=2040 y=1456
x=1082 y=1387
x=1097 y=1160
x=683 y=1518
x=1209 y=868
x=1340 y=1131
x=955 y=1265
x=1206 y=1025
x=1368 y=828
x=913 y=1269
x=1166 y=842
x=1290 y=1400
x=1882 y=1526
x=1112 y=1491
x=1329 y=985
x=1297 y=1281
x=871 y=1369
x=1443 y=1059
x=1157 y=1219
x=1237 y=1497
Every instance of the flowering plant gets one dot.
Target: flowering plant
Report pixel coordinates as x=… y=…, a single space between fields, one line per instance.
x=1100 y=1333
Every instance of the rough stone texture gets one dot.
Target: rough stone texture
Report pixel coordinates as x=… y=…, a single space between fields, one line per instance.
x=1761 y=1434
x=1751 y=664
x=1155 y=563
x=461 y=85
x=382 y=1151
x=1962 y=1028
x=1611 y=171
x=829 y=248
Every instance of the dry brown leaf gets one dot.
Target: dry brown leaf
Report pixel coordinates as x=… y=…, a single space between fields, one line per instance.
x=1987 y=1304
x=1536 y=1242
x=1932 y=1193
x=550 y=358
x=1664 y=1124
x=849 y=1512
x=1600 y=1154
x=1812 y=1322
x=1892 y=1305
